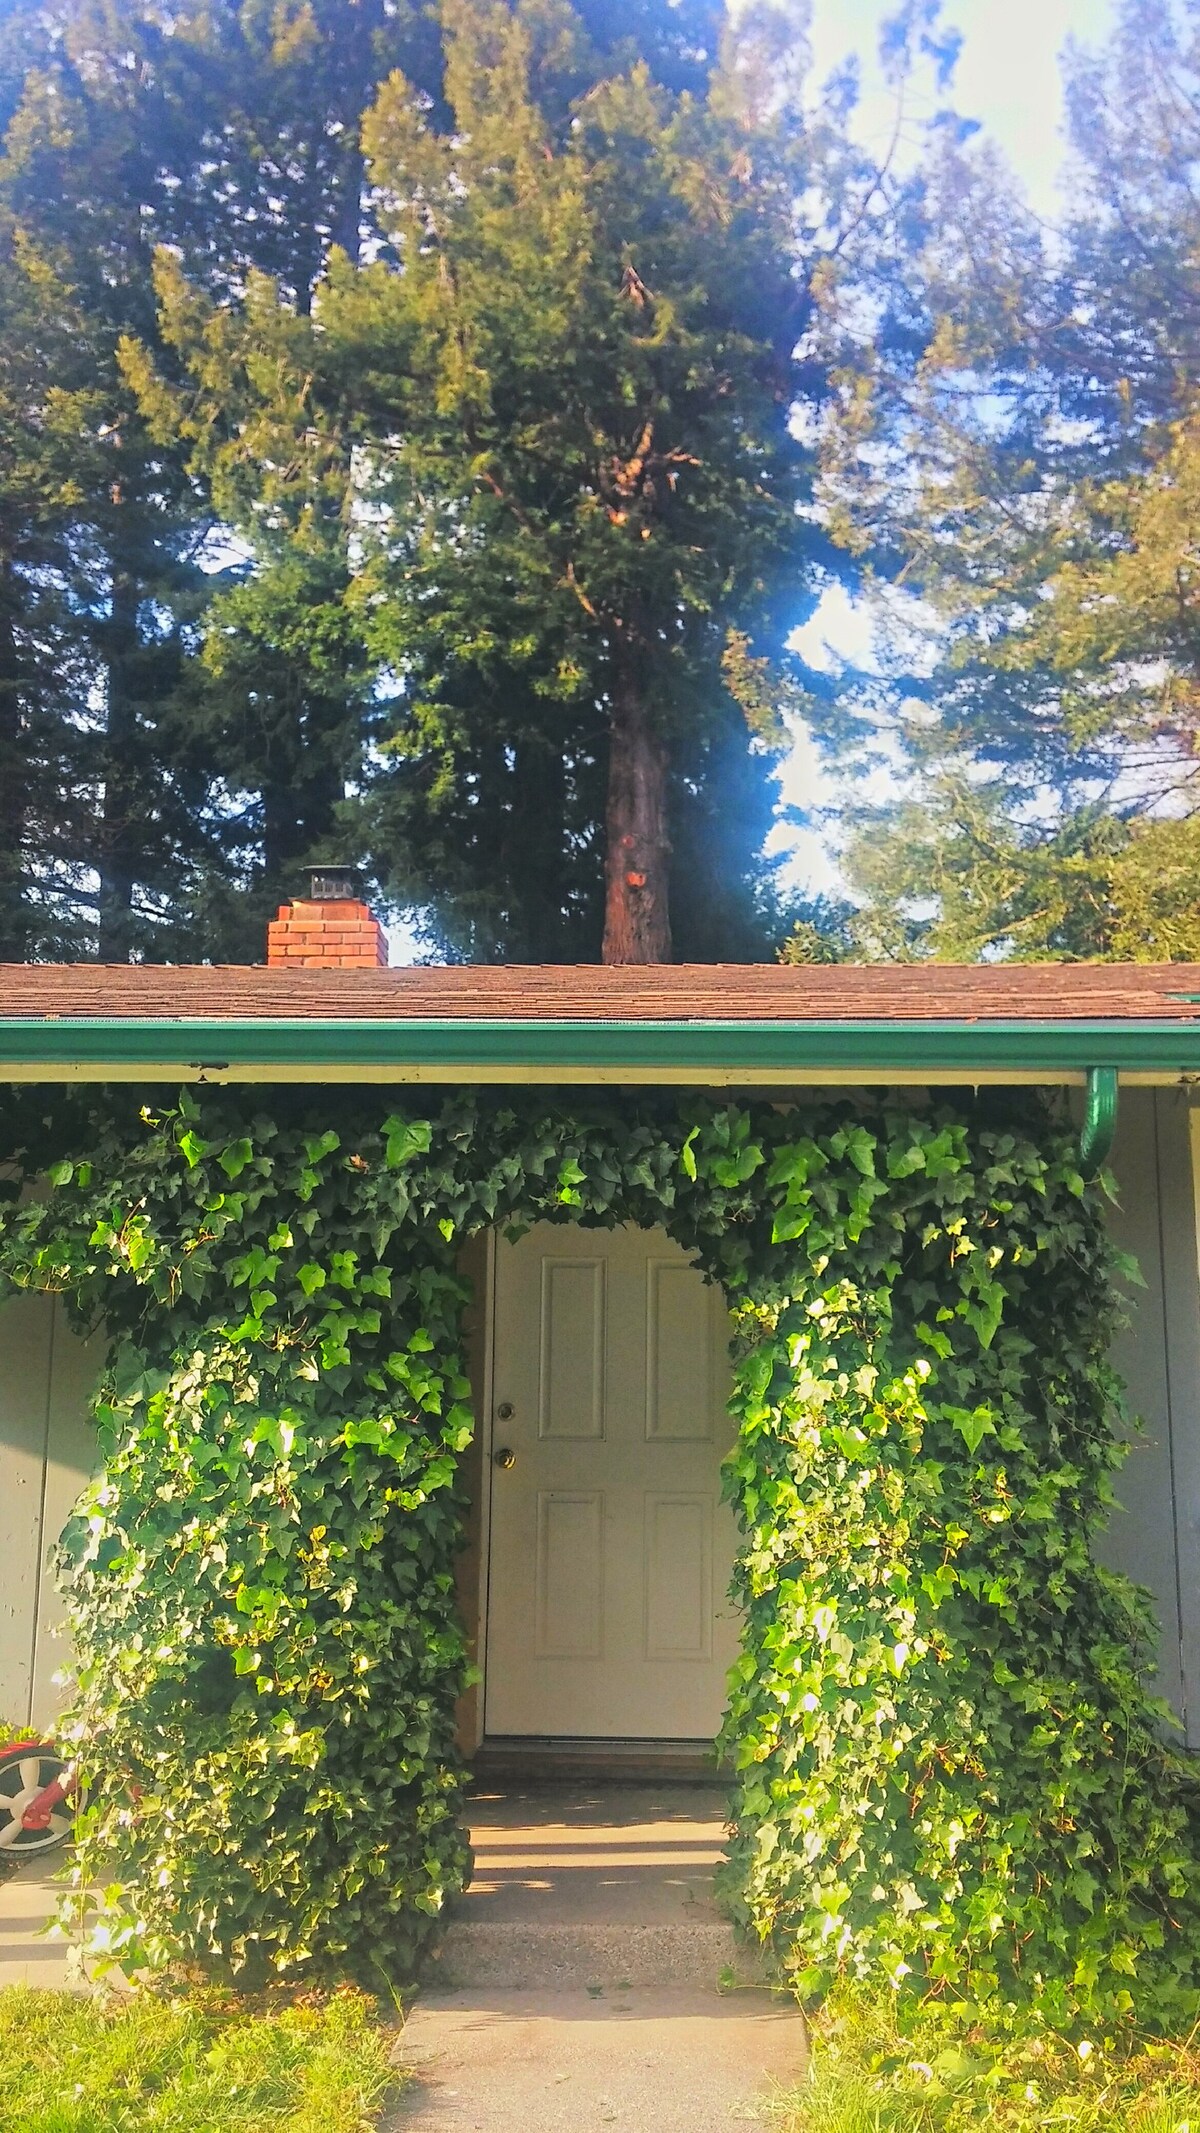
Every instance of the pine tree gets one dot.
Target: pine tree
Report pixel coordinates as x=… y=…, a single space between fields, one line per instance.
x=563 y=392
x=208 y=695
x=230 y=132
x=120 y=524
x=47 y=419
x=593 y=330
x=1028 y=462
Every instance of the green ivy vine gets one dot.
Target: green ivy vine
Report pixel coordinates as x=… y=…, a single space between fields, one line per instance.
x=950 y=1777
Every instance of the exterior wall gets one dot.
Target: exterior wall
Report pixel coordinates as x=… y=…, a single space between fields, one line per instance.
x=1155 y=1537
x=47 y=1450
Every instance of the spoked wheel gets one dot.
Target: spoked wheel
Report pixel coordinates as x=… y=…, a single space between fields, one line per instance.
x=26 y=1773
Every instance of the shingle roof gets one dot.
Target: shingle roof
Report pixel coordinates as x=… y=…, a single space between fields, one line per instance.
x=680 y=992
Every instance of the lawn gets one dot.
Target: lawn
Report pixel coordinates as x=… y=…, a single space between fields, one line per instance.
x=864 y=2078
x=154 y=2064
x=197 y=2064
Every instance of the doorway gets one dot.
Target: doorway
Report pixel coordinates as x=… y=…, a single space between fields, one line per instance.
x=610 y=1551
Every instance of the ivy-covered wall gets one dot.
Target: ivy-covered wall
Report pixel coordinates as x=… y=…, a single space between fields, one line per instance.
x=950 y=1774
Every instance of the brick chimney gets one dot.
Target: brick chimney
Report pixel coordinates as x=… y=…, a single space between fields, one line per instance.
x=329 y=929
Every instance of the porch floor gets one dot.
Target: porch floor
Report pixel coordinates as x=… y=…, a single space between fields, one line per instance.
x=567 y=1854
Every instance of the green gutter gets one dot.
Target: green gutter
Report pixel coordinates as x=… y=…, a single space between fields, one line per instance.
x=1100 y=1119
x=788 y=1047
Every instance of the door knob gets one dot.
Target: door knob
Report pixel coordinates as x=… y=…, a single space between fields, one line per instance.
x=505 y=1458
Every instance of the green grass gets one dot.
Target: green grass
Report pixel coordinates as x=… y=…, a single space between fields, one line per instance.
x=864 y=2078
x=194 y=2064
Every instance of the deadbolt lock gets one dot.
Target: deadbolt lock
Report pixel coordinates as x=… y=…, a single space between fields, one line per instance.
x=505 y=1411
x=505 y=1458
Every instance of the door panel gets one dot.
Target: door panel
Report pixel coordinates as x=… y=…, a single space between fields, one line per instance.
x=683 y=1393
x=571 y=1386
x=569 y=1579
x=611 y=1551
x=678 y=1577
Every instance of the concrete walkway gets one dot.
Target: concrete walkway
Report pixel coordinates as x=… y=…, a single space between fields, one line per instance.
x=674 y=2060
x=577 y=1988
x=28 y=1900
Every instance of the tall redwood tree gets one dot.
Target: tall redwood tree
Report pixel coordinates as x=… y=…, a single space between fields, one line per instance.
x=564 y=383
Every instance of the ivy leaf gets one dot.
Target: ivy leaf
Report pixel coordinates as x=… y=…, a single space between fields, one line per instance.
x=405 y=1138
x=570 y=1177
x=940 y=1343
x=1084 y=1887
x=985 y=1314
x=790 y=1223
x=906 y=1161
x=234 y=1157
x=1126 y=1265
x=364 y=1432
x=940 y=1583
x=318 y=1146
x=859 y=1145
x=944 y=1153
x=794 y=1163
x=738 y=1165
x=311 y=1277
x=972 y=1423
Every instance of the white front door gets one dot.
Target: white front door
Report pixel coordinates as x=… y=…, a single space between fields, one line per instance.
x=611 y=1551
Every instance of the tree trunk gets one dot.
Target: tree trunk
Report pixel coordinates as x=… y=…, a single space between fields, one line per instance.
x=122 y=828
x=637 y=920
x=14 y=929
x=347 y=220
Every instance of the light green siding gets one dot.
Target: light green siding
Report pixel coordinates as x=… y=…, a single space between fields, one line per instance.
x=1156 y=1535
x=46 y=1452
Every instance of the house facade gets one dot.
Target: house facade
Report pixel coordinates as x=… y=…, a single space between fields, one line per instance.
x=595 y=1578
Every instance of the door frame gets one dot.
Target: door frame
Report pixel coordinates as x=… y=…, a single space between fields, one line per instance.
x=476 y=1560
x=558 y=1753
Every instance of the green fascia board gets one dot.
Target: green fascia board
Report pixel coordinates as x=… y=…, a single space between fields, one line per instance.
x=789 y=1047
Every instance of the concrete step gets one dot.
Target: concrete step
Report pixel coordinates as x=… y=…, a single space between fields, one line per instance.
x=593 y=1886
x=584 y=1955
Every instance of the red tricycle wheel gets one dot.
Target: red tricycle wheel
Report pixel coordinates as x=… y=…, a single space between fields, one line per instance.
x=34 y=1780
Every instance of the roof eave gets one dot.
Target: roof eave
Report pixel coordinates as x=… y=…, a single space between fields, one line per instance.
x=404 y=1049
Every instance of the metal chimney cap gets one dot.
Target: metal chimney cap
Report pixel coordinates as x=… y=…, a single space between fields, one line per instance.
x=333 y=884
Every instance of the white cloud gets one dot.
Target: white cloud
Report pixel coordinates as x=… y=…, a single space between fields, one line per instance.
x=1007 y=76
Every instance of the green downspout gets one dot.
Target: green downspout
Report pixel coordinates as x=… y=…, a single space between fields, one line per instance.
x=1099 y=1121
